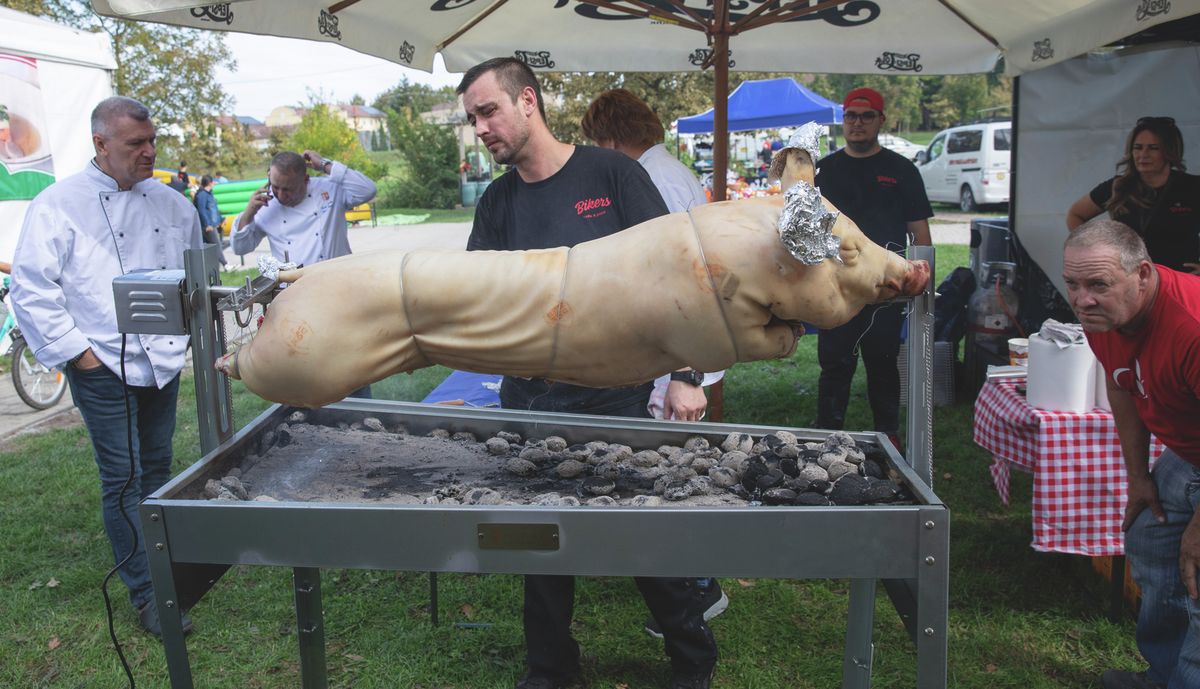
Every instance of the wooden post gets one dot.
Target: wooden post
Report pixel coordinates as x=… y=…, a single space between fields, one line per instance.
x=720 y=109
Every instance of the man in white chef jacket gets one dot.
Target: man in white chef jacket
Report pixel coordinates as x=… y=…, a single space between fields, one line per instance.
x=301 y=215
x=304 y=216
x=79 y=234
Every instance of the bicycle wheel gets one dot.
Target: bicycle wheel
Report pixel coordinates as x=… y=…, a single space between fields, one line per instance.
x=37 y=386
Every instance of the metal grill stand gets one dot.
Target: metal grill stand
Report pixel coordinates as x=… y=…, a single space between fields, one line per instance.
x=193 y=542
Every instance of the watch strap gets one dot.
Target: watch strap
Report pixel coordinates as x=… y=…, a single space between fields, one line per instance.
x=692 y=377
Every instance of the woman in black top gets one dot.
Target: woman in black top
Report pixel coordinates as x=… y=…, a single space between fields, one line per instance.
x=1152 y=194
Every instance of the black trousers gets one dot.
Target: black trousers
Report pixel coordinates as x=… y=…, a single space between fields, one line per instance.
x=674 y=602
x=875 y=331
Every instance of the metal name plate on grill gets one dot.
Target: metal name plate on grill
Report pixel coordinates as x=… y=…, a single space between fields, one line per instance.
x=518 y=536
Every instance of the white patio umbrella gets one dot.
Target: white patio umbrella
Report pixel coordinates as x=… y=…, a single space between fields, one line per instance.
x=851 y=37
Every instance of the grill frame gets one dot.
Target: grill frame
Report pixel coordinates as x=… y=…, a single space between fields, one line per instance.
x=192 y=542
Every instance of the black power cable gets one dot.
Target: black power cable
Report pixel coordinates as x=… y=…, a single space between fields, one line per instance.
x=112 y=634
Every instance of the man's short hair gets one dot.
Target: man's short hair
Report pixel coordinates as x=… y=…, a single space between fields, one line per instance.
x=512 y=75
x=114 y=108
x=289 y=163
x=1104 y=232
x=623 y=118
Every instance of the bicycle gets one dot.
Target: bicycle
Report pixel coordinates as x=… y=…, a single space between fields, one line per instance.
x=37 y=385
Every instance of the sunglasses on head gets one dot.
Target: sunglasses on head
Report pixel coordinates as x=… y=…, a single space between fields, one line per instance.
x=1156 y=120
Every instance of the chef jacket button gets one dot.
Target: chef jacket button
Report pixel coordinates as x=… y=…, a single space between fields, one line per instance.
x=156 y=229
x=120 y=234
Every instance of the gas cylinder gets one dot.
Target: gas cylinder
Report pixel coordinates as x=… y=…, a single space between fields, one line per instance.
x=992 y=311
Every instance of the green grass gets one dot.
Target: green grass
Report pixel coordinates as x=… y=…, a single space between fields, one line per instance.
x=435 y=214
x=922 y=138
x=1018 y=618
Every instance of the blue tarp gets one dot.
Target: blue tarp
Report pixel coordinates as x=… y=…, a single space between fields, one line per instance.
x=768 y=104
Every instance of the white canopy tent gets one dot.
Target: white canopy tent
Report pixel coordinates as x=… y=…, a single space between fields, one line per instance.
x=854 y=37
x=51 y=76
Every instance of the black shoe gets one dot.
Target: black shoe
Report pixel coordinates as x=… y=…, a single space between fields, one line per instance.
x=148 y=619
x=679 y=681
x=714 y=602
x=534 y=681
x=1124 y=679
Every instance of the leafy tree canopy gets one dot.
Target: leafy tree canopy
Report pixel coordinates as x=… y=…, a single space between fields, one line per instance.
x=323 y=130
x=413 y=98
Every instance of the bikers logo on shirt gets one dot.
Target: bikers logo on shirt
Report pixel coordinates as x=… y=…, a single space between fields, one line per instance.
x=592 y=208
x=1139 y=385
x=885 y=181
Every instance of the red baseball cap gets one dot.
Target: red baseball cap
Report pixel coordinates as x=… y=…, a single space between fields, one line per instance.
x=864 y=97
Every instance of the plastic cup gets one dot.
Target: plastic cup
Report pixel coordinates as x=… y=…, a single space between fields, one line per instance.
x=1018 y=351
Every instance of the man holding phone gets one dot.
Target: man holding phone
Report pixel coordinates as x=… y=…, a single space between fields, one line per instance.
x=299 y=215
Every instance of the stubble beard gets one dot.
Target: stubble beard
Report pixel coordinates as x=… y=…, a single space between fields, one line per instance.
x=861 y=146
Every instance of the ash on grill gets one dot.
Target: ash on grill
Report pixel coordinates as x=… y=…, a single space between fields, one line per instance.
x=366 y=461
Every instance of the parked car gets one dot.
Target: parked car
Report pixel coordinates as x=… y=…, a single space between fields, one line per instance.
x=900 y=145
x=968 y=164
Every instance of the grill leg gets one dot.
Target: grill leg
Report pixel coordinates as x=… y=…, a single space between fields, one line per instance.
x=433 y=598
x=166 y=597
x=933 y=600
x=856 y=663
x=309 y=626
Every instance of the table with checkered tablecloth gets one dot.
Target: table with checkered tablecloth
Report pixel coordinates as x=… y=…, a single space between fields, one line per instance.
x=1075 y=459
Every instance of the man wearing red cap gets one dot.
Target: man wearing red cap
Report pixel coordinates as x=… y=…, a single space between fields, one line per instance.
x=882 y=192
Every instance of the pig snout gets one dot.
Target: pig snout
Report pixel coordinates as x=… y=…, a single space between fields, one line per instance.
x=916 y=280
x=912 y=281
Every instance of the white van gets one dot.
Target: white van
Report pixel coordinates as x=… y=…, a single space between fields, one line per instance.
x=968 y=164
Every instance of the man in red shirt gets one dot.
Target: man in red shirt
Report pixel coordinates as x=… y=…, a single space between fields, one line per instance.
x=1143 y=323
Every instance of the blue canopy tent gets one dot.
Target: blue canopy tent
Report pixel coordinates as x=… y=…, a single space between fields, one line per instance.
x=768 y=104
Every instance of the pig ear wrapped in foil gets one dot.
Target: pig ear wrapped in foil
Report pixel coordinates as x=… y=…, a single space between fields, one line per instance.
x=719 y=284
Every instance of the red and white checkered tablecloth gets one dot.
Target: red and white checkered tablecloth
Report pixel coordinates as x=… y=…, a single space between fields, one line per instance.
x=1075 y=459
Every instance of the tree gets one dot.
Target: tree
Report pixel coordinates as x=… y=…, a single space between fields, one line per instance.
x=413 y=98
x=170 y=70
x=430 y=177
x=214 y=145
x=323 y=131
x=670 y=94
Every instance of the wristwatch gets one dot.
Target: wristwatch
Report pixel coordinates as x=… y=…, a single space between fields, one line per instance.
x=690 y=376
x=327 y=166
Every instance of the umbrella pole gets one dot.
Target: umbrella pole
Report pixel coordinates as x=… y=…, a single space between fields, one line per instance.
x=720 y=112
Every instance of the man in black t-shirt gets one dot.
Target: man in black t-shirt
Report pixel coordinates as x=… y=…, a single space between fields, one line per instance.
x=556 y=195
x=882 y=192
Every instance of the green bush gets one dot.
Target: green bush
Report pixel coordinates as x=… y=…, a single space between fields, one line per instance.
x=430 y=177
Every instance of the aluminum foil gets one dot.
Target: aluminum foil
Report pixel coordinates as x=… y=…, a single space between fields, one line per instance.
x=808 y=137
x=806 y=226
x=270 y=266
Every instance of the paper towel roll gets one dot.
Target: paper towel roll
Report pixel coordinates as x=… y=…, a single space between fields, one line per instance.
x=1102 y=389
x=1061 y=379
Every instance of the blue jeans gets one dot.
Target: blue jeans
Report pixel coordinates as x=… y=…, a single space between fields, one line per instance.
x=1168 y=628
x=100 y=397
